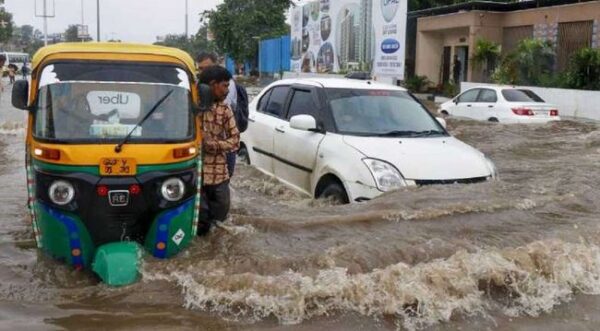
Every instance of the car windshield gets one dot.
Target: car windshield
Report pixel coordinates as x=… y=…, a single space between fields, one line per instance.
x=380 y=113
x=516 y=95
x=97 y=107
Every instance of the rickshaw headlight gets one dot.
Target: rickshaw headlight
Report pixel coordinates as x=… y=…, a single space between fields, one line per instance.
x=61 y=192
x=173 y=189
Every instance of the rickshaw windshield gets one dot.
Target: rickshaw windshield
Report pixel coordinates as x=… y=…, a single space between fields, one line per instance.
x=101 y=104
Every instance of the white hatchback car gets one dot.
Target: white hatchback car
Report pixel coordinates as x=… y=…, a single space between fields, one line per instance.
x=501 y=104
x=353 y=140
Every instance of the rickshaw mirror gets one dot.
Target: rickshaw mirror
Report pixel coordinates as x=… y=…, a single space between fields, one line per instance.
x=206 y=97
x=20 y=94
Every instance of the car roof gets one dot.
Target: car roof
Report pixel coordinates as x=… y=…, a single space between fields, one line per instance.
x=339 y=83
x=496 y=87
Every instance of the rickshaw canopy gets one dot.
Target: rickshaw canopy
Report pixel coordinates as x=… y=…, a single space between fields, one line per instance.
x=113 y=51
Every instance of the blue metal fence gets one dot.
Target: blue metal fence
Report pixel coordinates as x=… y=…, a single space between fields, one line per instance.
x=275 y=56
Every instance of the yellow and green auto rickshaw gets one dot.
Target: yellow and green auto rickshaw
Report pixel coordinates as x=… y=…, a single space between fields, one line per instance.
x=112 y=154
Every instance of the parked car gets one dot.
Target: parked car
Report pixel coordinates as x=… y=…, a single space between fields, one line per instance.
x=501 y=104
x=352 y=140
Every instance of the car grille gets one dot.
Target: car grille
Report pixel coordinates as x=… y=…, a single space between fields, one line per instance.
x=451 y=181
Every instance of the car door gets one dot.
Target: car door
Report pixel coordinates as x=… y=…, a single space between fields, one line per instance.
x=465 y=102
x=485 y=107
x=296 y=150
x=268 y=116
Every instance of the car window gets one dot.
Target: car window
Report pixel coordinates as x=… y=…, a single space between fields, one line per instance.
x=469 y=96
x=277 y=101
x=514 y=95
x=263 y=101
x=385 y=113
x=533 y=96
x=302 y=104
x=487 y=95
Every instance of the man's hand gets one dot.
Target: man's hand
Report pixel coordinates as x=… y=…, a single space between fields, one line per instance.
x=210 y=145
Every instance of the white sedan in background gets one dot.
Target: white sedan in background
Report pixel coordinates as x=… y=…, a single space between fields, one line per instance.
x=501 y=104
x=352 y=140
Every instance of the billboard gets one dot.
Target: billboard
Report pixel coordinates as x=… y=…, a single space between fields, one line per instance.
x=334 y=35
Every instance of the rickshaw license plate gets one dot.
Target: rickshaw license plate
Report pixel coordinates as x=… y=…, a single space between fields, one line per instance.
x=118 y=167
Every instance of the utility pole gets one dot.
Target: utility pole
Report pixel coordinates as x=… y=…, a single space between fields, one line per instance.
x=98 y=19
x=45 y=16
x=82 y=20
x=186 y=20
x=45 y=24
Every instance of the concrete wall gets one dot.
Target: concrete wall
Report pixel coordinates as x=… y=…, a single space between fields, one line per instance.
x=429 y=55
x=572 y=103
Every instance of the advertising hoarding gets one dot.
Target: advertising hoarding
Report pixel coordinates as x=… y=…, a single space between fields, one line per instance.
x=343 y=35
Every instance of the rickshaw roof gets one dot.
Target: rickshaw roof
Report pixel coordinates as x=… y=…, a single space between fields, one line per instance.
x=113 y=48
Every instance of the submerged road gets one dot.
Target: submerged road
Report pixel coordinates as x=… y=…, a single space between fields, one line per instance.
x=521 y=253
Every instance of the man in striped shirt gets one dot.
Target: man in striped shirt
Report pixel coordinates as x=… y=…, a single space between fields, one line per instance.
x=220 y=136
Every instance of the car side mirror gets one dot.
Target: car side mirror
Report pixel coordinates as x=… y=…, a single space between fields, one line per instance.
x=206 y=98
x=455 y=101
x=304 y=123
x=442 y=122
x=20 y=95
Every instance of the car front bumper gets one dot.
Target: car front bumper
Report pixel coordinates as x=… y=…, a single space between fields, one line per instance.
x=358 y=192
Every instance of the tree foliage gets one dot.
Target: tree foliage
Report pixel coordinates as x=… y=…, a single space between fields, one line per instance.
x=486 y=55
x=237 y=24
x=6 y=26
x=194 y=45
x=72 y=35
x=26 y=38
x=584 y=70
x=532 y=63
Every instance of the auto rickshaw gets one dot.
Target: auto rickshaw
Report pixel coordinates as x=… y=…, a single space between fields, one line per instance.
x=113 y=158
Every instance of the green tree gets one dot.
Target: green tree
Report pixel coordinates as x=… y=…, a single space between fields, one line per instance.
x=486 y=55
x=26 y=34
x=236 y=24
x=71 y=34
x=6 y=24
x=36 y=43
x=584 y=70
x=532 y=63
x=193 y=45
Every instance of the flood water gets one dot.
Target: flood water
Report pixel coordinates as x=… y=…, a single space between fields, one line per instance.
x=520 y=253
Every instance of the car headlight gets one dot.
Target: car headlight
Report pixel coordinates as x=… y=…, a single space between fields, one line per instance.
x=492 y=168
x=61 y=192
x=386 y=176
x=173 y=189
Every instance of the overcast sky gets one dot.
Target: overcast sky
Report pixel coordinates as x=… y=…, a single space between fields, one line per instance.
x=128 y=20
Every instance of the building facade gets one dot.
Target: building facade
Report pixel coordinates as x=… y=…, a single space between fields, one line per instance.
x=440 y=37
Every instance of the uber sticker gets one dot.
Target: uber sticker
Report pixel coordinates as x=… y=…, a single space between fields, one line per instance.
x=178 y=237
x=127 y=105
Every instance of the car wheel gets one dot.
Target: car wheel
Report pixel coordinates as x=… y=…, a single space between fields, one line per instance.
x=243 y=155
x=444 y=113
x=493 y=119
x=335 y=192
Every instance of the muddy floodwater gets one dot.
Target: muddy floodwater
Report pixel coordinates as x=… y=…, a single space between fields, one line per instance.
x=520 y=253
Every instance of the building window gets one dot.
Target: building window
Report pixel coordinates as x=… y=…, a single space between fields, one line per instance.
x=512 y=35
x=572 y=36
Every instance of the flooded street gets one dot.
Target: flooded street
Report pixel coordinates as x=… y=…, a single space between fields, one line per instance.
x=520 y=253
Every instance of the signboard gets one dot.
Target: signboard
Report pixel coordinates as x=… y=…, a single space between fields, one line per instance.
x=332 y=36
x=82 y=31
x=390 y=34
